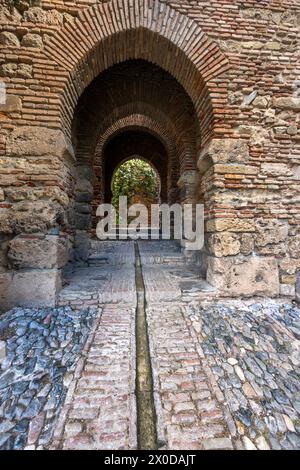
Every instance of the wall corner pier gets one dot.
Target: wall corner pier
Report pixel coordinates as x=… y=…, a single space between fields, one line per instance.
x=35 y=221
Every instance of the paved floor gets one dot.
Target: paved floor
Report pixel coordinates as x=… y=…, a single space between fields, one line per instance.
x=42 y=348
x=226 y=373
x=99 y=412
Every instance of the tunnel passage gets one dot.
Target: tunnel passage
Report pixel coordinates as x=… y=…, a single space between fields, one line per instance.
x=130 y=143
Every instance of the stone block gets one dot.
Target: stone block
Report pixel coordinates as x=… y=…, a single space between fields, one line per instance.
x=252 y=44
x=188 y=178
x=288 y=279
x=84 y=190
x=81 y=246
x=12 y=164
x=84 y=197
x=83 y=208
x=33 y=194
x=2 y=351
x=54 y=17
x=29 y=217
x=289 y=266
x=12 y=104
x=5 y=222
x=12 y=69
x=276 y=169
x=270 y=232
x=83 y=221
x=9 y=14
x=9 y=39
x=230 y=225
x=4 y=242
x=273 y=46
x=35 y=15
x=84 y=173
x=32 y=288
x=219 y=443
x=261 y=102
x=247 y=243
x=298 y=286
x=236 y=169
x=223 y=151
x=224 y=244
x=287 y=102
x=32 y=40
x=294 y=246
x=42 y=252
x=244 y=276
x=287 y=290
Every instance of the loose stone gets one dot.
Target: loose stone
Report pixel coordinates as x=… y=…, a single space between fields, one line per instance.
x=248 y=443
x=232 y=361
x=262 y=443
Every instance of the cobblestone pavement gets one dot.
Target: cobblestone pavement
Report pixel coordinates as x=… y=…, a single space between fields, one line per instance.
x=253 y=351
x=226 y=373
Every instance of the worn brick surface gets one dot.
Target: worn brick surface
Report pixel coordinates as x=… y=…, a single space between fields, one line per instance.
x=190 y=412
x=100 y=410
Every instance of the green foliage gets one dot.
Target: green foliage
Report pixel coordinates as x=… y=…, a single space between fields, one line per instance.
x=135 y=178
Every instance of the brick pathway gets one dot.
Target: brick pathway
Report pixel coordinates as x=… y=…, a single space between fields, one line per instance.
x=225 y=373
x=190 y=416
x=99 y=411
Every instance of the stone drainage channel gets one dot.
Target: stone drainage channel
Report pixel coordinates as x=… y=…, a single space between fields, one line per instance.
x=146 y=416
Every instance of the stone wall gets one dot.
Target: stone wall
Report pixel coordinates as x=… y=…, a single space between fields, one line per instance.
x=237 y=63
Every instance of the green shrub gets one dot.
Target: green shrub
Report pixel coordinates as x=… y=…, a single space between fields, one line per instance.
x=135 y=178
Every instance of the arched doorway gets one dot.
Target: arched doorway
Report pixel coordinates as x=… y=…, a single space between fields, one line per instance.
x=183 y=69
x=133 y=108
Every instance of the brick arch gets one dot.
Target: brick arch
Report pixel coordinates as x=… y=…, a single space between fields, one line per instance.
x=137 y=121
x=133 y=141
x=112 y=32
x=177 y=140
x=135 y=86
